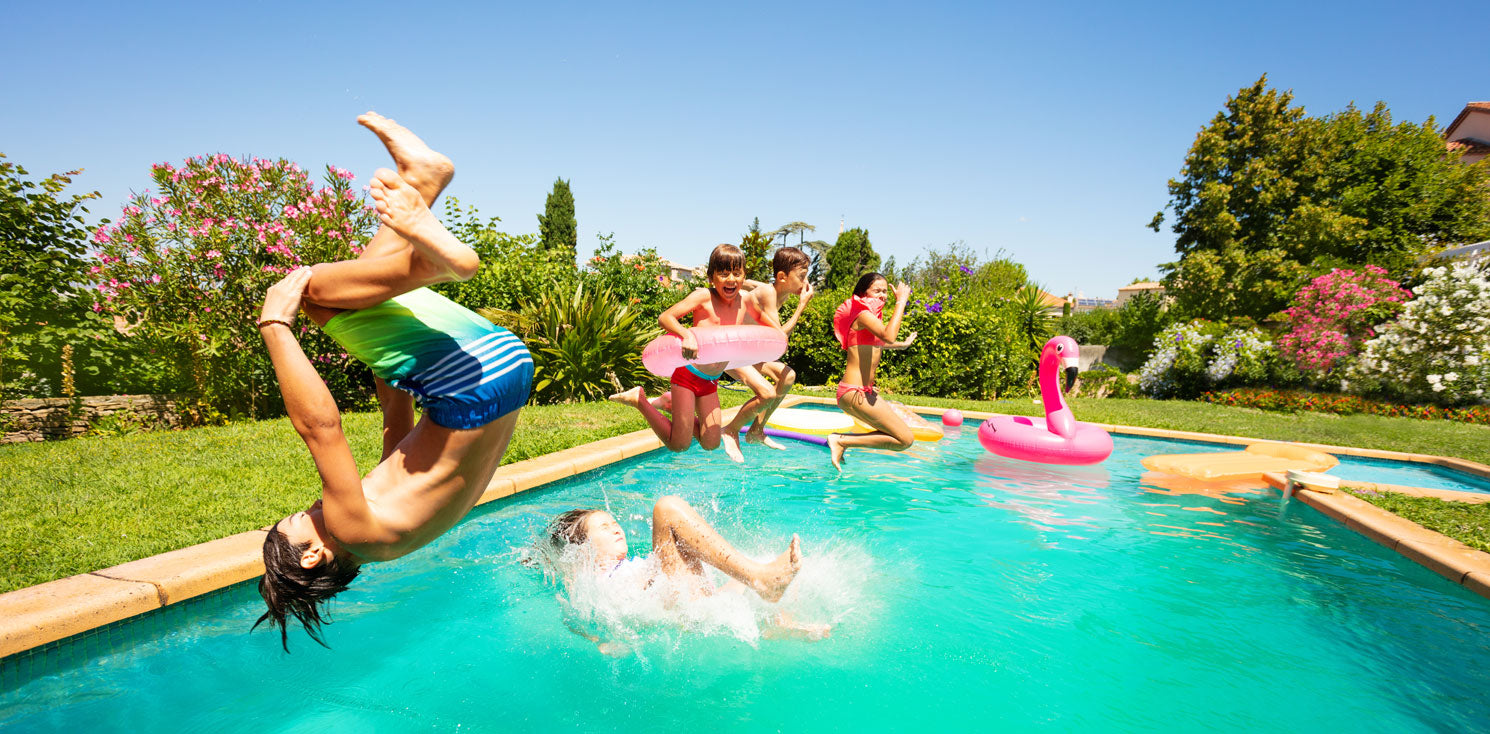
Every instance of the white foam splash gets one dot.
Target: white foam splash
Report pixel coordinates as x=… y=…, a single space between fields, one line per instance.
x=622 y=608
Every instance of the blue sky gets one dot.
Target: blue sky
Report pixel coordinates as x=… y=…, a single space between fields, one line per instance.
x=1047 y=131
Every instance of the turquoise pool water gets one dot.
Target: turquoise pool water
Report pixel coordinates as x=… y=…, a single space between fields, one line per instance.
x=965 y=590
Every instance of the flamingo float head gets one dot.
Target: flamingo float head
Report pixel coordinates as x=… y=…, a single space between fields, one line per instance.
x=1063 y=352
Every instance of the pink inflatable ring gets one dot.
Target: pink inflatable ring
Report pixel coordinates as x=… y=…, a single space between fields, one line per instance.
x=1060 y=438
x=740 y=346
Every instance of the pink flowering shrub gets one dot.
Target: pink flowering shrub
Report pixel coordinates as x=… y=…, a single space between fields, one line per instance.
x=1333 y=315
x=187 y=268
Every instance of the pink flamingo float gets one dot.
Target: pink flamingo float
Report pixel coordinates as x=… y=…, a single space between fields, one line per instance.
x=1060 y=438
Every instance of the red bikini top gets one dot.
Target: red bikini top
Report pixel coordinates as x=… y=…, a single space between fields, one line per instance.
x=848 y=312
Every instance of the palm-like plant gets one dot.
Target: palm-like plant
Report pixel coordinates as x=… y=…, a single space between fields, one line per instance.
x=1030 y=318
x=584 y=347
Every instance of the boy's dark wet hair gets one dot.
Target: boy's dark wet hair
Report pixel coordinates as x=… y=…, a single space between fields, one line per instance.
x=788 y=259
x=290 y=589
x=569 y=528
x=866 y=281
x=725 y=258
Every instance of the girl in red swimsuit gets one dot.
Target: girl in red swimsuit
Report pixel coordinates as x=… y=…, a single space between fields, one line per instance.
x=862 y=334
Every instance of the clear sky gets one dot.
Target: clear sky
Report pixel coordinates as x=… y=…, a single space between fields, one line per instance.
x=1047 y=130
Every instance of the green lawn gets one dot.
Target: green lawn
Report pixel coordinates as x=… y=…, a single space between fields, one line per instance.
x=1465 y=522
x=73 y=506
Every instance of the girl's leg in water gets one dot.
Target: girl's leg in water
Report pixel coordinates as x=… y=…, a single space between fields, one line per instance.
x=683 y=542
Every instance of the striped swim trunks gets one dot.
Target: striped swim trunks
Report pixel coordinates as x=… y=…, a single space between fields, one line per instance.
x=464 y=370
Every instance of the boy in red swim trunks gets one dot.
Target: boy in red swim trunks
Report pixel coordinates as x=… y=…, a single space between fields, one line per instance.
x=695 y=393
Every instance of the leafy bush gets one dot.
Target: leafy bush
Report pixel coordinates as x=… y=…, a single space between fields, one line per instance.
x=44 y=307
x=1177 y=367
x=640 y=280
x=958 y=353
x=584 y=347
x=1192 y=357
x=1105 y=381
x=1333 y=315
x=1097 y=326
x=515 y=269
x=1294 y=401
x=1439 y=349
x=187 y=270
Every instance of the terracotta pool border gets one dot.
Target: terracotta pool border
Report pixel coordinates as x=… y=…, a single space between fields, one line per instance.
x=55 y=610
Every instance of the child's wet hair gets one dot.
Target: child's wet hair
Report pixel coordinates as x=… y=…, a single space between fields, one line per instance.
x=725 y=258
x=569 y=528
x=788 y=259
x=290 y=590
x=866 y=281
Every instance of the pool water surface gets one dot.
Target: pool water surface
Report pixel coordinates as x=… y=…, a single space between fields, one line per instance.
x=964 y=590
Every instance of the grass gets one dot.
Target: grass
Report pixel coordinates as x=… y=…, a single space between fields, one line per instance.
x=73 y=506
x=1467 y=523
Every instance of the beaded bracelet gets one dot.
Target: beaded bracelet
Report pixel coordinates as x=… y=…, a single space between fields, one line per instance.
x=267 y=322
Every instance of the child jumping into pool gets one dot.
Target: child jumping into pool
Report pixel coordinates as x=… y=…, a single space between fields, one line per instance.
x=471 y=378
x=862 y=334
x=695 y=388
x=790 y=268
x=682 y=544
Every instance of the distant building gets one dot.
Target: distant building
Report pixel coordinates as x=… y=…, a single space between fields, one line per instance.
x=1470 y=132
x=1055 y=306
x=1128 y=291
x=678 y=271
x=1091 y=304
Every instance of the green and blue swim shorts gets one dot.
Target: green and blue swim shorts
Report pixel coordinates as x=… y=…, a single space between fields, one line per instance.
x=464 y=370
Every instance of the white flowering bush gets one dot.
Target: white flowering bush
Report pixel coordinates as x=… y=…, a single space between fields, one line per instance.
x=1243 y=357
x=1181 y=353
x=1439 y=349
x=1190 y=358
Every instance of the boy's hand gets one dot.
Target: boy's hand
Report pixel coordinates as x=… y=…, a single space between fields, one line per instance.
x=902 y=292
x=690 y=345
x=282 y=301
x=807 y=292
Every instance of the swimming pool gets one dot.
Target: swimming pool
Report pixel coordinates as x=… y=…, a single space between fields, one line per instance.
x=966 y=590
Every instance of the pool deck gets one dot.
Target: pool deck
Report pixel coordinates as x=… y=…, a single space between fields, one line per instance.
x=55 y=610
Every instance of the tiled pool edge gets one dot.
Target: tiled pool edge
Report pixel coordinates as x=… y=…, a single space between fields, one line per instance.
x=56 y=610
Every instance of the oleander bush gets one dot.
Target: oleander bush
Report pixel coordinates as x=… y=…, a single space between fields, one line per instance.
x=185 y=270
x=1334 y=314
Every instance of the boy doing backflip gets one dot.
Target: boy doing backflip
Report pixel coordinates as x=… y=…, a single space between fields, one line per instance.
x=471 y=378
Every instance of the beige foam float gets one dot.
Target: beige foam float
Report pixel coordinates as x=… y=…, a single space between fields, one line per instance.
x=1257 y=460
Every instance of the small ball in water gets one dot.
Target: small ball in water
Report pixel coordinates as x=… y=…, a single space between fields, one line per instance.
x=952 y=418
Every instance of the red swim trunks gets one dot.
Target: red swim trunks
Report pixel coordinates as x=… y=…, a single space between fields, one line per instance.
x=694 y=381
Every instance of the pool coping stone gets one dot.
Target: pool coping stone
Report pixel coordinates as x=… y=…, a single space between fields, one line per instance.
x=54 y=610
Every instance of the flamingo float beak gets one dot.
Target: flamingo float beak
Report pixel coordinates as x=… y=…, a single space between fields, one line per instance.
x=1070 y=378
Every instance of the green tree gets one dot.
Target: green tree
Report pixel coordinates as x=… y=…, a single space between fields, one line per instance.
x=557 y=228
x=757 y=248
x=1269 y=197
x=43 y=302
x=850 y=257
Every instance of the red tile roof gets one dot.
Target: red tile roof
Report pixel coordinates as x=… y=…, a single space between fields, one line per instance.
x=1468 y=108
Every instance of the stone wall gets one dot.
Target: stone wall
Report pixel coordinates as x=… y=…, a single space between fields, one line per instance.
x=50 y=419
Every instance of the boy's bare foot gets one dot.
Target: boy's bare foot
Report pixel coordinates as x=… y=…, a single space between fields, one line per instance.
x=731 y=443
x=775 y=576
x=835 y=450
x=632 y=397
x=401 y=207
x=757 y=434
x=423 y=168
